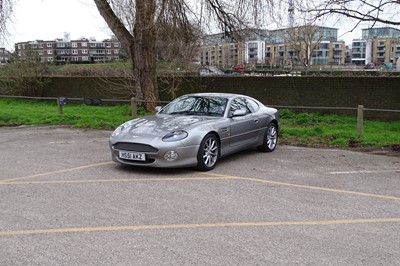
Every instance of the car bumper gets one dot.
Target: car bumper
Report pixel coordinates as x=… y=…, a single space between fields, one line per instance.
x=187 y=157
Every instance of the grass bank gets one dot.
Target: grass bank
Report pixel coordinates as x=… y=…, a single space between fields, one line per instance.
x=306 y=129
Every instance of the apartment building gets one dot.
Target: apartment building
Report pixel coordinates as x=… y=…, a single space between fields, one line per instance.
x=217 y=50
x=4 y=55
x=305 y=45
x=75 y=51
x=377 y=46
x=275 y=48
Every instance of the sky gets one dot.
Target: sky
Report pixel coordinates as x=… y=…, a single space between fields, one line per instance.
x=50 y=19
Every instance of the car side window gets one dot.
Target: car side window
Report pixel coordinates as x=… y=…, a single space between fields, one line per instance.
x=252 y=105
x=239 y=104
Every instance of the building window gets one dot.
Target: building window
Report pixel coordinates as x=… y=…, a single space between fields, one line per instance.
x=84 y=51
x=85 y=58
x=49 y=44
x=108 y=44
x=49 y=51
x=116 y=44
x=108 y=51
x=50 y=59
x=60 y=44
x=116 y=51
x=74 y=44
x=74 y=51
x=84 y=44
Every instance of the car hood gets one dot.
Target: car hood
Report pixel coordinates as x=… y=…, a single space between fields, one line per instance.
x=159 y=124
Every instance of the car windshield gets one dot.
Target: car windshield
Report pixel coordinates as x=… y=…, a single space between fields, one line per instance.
x=196 y=105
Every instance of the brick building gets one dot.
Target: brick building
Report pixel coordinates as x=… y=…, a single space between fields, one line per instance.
x=4 y=55
x=377 y=46
x=277 y=48
x=76 y=51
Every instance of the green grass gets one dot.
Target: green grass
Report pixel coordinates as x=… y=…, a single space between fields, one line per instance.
x=316 y=130
x=308 y=129
x=23 y=112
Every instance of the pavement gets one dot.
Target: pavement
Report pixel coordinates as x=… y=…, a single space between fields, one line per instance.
x=64 y=202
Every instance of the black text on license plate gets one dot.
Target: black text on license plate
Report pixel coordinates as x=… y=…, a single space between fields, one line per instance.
x=132 y=156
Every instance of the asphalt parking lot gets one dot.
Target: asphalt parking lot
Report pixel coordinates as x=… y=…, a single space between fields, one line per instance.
x=63 y=202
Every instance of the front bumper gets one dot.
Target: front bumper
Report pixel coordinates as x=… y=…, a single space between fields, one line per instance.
x=187 y=156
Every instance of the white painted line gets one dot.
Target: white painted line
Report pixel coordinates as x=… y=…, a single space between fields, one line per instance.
x=365 y=172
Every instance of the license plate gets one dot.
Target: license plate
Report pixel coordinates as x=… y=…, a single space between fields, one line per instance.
x=134 y=156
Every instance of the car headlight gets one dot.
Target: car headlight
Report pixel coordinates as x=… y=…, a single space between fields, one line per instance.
x=175 y=136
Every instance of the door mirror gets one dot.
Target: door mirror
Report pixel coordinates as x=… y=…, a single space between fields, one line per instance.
x=240 y=112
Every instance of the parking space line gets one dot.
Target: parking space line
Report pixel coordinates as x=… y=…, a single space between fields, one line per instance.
x=55 y=172
x=307 y=187
x=196 y=226
x=114 y=180
x=365 y=172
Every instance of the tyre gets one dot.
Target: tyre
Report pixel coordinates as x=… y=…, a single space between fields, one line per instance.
x=208 y=154
x=270 y=138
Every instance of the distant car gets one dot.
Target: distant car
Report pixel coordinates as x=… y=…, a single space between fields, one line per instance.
x=195 y=130
x=239 y=67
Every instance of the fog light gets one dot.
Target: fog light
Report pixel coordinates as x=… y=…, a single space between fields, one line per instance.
x=170 y=156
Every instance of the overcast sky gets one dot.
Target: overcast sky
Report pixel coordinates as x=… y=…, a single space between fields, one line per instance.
x=49 y=19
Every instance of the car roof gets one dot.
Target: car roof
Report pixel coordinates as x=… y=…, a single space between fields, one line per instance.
x=216 y=94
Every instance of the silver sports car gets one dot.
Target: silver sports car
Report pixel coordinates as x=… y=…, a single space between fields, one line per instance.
x=196 y=130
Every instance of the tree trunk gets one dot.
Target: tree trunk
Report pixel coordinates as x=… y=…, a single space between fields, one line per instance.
x=140 y=46
x=144 y=54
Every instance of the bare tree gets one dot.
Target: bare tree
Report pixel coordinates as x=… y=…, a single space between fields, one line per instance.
x=24 y=76
x=302 y=41
x=139 y=24
x=6 y=8
x=373 y=11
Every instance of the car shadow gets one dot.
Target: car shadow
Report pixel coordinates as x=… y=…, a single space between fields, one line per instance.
x=150 y=171
x=184 y=171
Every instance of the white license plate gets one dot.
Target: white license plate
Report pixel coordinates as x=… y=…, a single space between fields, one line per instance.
x=134 y=156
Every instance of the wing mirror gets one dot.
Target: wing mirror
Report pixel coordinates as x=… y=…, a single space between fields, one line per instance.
x=240 y=112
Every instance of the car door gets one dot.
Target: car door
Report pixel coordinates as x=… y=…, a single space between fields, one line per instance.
x=244 y=127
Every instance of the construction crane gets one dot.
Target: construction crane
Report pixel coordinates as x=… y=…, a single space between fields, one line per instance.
x=291 y=13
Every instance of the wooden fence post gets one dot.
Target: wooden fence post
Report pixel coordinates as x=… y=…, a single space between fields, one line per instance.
x=134 y=107
x=360 y=120
x=59 y=105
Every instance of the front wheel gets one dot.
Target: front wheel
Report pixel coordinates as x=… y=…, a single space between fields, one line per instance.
x=270 y=138
x=208 y=154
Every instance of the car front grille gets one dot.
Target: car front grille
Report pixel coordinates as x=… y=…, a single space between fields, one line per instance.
x=127 y=146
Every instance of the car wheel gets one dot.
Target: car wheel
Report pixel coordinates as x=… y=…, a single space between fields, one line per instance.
x=270 y=138
x=208 y=154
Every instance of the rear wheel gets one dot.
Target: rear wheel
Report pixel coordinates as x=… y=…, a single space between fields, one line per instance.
x=208 y=154
x=270 y=138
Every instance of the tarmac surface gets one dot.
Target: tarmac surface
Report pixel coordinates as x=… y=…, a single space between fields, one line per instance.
x=64 y=202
